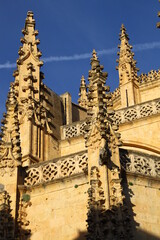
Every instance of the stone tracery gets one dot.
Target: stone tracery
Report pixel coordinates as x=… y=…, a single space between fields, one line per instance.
x=44 y=173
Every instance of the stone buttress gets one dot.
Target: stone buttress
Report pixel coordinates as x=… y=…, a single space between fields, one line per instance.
x=102 y=140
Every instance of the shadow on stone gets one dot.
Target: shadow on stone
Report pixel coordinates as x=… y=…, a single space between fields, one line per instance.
x=81 y=236
x=8 y=223
x=117 y=223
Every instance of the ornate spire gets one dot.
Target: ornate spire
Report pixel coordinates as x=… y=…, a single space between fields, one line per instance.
x=97 y=90
x=99 y=103
x=128 y=79
x=29 y=41
x=10 y=150
x=101 y=130
x=123 y=34
x=126 y=64
x=102 y=141
x=27 y=76
x=34 y=108
x=83 y=93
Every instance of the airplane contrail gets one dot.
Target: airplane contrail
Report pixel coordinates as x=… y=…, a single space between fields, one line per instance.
x=110 y=51
x=7 y=65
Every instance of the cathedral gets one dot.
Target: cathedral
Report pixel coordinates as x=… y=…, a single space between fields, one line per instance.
x=80 y=171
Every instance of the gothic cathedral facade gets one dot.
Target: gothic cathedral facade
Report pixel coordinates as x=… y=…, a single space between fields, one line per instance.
x=80 y=171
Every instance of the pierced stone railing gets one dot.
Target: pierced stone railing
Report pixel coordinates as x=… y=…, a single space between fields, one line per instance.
x=116 y=93
x=73 y=130
x=121 y=116
x=140 y=163
x=51 y=170
x=153 y=75
x=138 y=111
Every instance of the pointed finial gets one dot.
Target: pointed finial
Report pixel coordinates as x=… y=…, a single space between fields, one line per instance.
x=83 y=82
x=83 y=93
x=11 y=95
x=158 y=24
x=124 y=42
x=94 y=54
x=94 y=60
x=123 y=33
x=30 y=13
x=28 y=63
x=29 y=20
x=129 y=72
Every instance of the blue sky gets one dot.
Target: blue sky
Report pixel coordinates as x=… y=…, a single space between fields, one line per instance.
x=74 y=27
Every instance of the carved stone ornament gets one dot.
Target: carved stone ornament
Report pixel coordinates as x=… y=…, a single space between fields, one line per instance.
x=35 y=112
x=96 y=207
x=23 y=223
x=138 y=111
x=94 y=138
x=7 y=161
x=138 y=163
x=6 y=219
x=116 y=195
x=49 y=171
x=73 y=130
x=151 y=77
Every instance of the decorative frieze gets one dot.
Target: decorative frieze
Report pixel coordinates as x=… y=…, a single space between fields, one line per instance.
x=144 y=164
x=52 y=170
x=138 y=111
x=73 y=130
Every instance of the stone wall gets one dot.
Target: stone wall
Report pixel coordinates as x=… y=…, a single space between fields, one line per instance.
x=144 y=195
x=141 y=185
x=58 y=210
x=78 y=113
